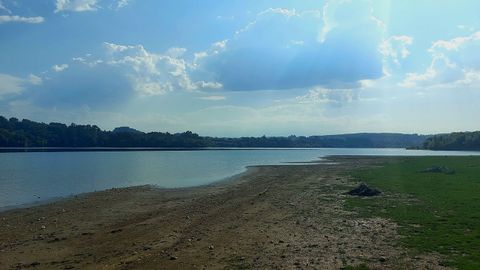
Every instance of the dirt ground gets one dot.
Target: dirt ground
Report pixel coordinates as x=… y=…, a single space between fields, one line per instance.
x=270 y=217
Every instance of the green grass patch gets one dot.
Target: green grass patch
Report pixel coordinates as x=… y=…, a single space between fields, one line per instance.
x=436 y=211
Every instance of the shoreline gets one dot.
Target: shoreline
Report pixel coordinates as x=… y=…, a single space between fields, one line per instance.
x=246 y=170
x=275 y=216
x=128 y=149
x=176 y=149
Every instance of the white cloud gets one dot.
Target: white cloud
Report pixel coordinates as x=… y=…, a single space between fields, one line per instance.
x=297 y=42
x=20 y=19
x=323 y=95
x=115 y=48
x=283 y=11
x=283 y=118
x=214 y=98
x=176 y=52
x=396 y=48
x=76 y=5
x=87 y=60
x=35 y=80
x=278 y=22
x=79 y=59
x=281 y=49
x=347 y=14
x=89 y=5
x=10 y=85
x=328 y=21
x=466 y=27
x=122 y=3
x=226 y=18
x=59 y=68
x=155 y=74
x=2 y=7
x=454 y=62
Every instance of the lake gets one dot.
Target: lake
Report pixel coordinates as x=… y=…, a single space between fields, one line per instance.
x=27 y=177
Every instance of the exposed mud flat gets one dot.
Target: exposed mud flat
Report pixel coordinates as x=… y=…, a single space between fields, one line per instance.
x=271 y=217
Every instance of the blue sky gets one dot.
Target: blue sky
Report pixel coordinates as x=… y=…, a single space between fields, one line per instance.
x=241 y=68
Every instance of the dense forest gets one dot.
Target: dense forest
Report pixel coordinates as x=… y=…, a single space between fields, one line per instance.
x=26 y=133
x=454 y=141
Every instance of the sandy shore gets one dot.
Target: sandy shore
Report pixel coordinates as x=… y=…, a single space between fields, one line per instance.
x=271 y=217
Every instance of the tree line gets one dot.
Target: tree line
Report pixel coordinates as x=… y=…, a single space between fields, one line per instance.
x=454 y=141
x=27 y=133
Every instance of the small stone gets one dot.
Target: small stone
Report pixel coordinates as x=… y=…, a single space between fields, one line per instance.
x=211 y=247
x=43 y=227
x=173 y=258
x=382 y=259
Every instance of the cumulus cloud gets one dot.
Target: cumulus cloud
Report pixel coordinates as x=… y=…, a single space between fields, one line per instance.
x=396 y=48
x=455 y=61
x=152 y=73
x=108 y=78
x=59 y=68
x=20 y=19
x=75 y=5
x=11 y=85
x=338 y=14
x=281 y=49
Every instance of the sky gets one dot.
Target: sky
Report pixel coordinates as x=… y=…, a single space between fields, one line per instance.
x=243 y=67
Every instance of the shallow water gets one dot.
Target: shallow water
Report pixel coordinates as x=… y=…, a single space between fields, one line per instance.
x=38 y=176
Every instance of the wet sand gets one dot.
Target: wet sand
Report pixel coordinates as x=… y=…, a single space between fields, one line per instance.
x=270 y=217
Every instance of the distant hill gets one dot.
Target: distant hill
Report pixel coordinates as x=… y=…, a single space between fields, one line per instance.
x=454 y=141
x=126 y=130
x=26 y=133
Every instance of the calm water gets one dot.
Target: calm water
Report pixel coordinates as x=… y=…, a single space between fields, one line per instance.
x=30 y=177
